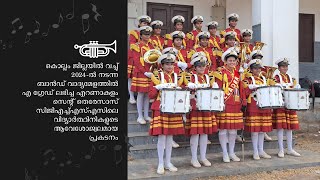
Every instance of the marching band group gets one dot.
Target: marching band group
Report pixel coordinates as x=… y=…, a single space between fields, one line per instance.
x=202 y=59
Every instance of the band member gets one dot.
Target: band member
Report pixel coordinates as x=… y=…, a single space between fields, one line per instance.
x=200 y=124
x=134 y=37
x=164 y=125
x=233 y=20
x=179 y=67
x=284 y=119
x=177 y=21
x=192 y=36
x=183 y=54
x=230 y=41
x=266 y=71
x=214 y=41
x=157 y=39
x=141 y=74
x=246 y=35
x=204 y=47
x=258 y=121
x=231 y=119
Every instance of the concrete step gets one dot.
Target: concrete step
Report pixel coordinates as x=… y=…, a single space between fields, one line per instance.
x=134 y=126
x=150 y=150
x=133 y=115
x=146 y=168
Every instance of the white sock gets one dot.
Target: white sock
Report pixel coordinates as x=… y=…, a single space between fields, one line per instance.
x=131 y=93
x=254 y=138
x=194 y=139
x=140 y=104
x=260 y=142
x=232 y=140
x=169 y=139
x=160 y=148
x=223 y=139
x=289 y=139
x=280 y=139
x=203 y=146
x=146 y=105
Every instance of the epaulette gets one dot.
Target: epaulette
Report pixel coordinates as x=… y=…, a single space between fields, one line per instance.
x=190 y=53
x=135 y=47
x=217 y=74
x=168 y=36
x=190 y=35
x=134 y=33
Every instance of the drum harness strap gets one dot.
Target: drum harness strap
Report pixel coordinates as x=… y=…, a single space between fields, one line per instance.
x=254 y=83
x=175 y=84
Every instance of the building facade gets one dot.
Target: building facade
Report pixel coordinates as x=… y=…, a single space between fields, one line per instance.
x=289 y=28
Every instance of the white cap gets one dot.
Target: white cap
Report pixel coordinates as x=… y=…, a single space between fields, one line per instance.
x=230 y=33
x=178 y=33
x=282 y=60
x=255 y=61
x=145 y=28
x=230 y=52
x=171 y=50
x=178 y=18
x=168 y=56
x=233 y=15
x=212 y=23
x=204 y=33
x=197 y=54
x=156 y=22
x=148 y=18
x=197 y=17
x=199 y=58
x=247 y=31
x=256 y=52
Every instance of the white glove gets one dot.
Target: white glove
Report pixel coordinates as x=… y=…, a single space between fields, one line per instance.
x=148 y=74
x=245 y=65
x=297 y=86
x=159 y=86
x=215 y=85
x=182 y=65
x=178 y=87
x=241 y=70
x=252 y=86
x=192 y=85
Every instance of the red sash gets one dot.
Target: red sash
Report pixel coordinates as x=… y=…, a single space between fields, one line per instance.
x=233 y=85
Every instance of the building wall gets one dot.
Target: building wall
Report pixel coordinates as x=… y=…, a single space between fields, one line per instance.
x=200 y=7
x=244 y=9
x=311 y=70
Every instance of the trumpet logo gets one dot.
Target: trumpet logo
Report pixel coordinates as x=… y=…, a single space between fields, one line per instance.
x=95 y=50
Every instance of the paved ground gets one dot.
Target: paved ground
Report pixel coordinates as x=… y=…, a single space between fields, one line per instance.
x=146 y=168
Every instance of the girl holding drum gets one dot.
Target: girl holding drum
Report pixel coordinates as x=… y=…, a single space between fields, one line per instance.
x=164 y=125
x=258 y=121
x=284 y=119
x=231 y=119
x=200 y=123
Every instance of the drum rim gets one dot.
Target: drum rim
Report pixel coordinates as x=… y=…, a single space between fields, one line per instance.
x=300 y=89
x=175 y=89
x=271 y=107
x=267 y=87
x=209 y=88
x=298 y=109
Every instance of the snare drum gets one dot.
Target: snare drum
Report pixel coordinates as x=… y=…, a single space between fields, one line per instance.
x=296 y=99
x=269 y=97
x=210 y=99
x=175 y=101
